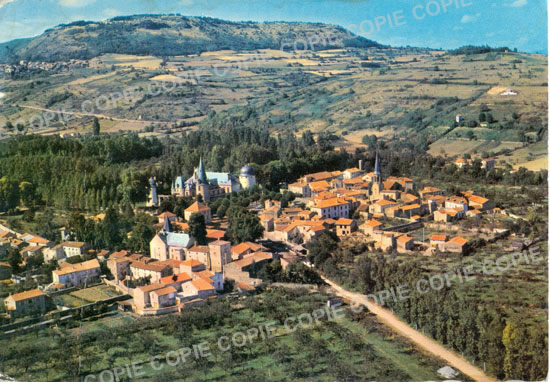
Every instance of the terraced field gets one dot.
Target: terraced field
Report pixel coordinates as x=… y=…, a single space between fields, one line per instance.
x=408 y=94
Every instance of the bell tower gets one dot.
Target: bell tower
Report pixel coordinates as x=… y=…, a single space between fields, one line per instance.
x=376 y=180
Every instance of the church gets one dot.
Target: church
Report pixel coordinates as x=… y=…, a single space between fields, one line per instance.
x=211 y=185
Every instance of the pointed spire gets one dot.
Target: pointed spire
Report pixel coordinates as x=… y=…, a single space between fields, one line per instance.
x=202 y=173
x=166 y=227
x=377 y=165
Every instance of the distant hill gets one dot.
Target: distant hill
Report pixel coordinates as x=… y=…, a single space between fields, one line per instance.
x=169 y=35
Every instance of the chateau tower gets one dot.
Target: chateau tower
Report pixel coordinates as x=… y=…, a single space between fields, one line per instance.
x=202 y=188
x=153 y=200
x=247 y=179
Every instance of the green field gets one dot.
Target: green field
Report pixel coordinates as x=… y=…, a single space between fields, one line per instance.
x=97 y=293
x=85 y=296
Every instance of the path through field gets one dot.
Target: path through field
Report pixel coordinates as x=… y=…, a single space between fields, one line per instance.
x=421 y=340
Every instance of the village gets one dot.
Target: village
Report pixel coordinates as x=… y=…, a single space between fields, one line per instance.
x=355 y=205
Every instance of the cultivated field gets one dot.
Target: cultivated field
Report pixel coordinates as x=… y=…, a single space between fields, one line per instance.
x=347 y=92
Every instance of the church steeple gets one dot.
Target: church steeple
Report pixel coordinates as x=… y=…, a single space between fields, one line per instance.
x=201 y=173
x=166 y=227
x=377 y=173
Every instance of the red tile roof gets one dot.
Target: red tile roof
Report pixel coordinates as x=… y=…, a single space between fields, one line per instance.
x=26 y=295
x=343 y=221
x=202 y=284
x=179 y=278
x=165 y=291
x=197 y=207
x=404 y=238
x=80 y=267
x=191 y=263
x=459 y=240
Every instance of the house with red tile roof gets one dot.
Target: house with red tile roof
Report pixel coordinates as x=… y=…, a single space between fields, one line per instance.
x=142 y=298
x=404 y=243
x=198 y=288
x=153 y=270
x=438 y=241
x=241 y=250
x=480 y=203
x=87 y=272
x=198 y=208
x=191 y=265
x=457 y=245
x=27 y=302
x=167 y=215
x=381 y=205
x=370 y=226
x=344 y=227
x=164 y=297
x=300 y=188
x=176 y=280
x=239 y=271
x=332 y=208
x=430 y=191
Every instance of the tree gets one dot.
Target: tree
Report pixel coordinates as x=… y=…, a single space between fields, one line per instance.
x=322 y=248
x=243 y=225
x=8 y=126
x=142 y=233
x=370 y=140
x=95 y=126
x=14 y=259
x=9 y=194
x=197 y=228
x=26 y=192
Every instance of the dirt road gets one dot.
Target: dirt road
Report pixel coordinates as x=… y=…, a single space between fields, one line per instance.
x=78 y=114
x=391 y=320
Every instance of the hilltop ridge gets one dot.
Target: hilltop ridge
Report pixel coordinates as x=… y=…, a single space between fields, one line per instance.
x=172 y=35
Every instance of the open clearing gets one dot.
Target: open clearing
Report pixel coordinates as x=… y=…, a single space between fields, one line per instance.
x=496 y=90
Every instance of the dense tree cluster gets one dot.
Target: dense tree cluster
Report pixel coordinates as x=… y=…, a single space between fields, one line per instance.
x=115 y=231
x=92 y=173
x=226 y=143
x=471 y=49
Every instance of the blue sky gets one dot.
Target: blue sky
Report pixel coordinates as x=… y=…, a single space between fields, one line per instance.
x=444 y=24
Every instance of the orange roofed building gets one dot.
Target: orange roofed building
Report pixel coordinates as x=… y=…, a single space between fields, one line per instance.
x=344 y=227
x=457 y=245
x=79 y=274
x=198 y=208
x=239 y=270
x=332 y=208
x=26 y=302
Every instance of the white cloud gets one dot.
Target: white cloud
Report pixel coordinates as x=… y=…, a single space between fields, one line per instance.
x=469 y=18
x=4 y=2
x=75 y=3
x=518 y=3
